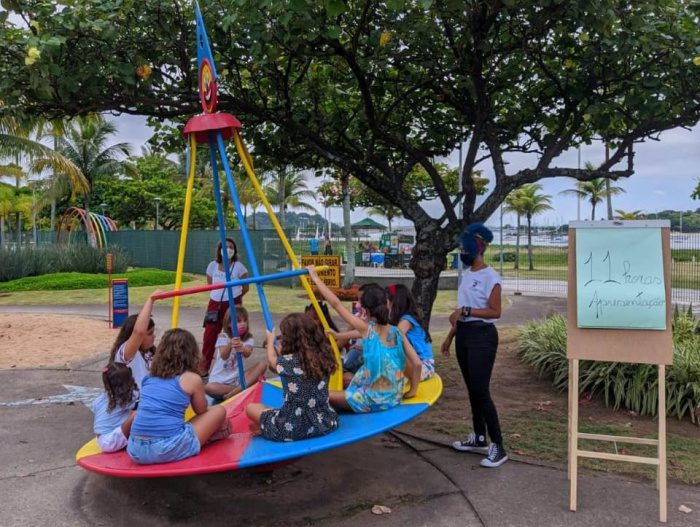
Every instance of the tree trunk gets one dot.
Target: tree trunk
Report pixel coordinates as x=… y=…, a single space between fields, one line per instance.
x=428 y=259
x=255 y=225
x=609 y=199
x=347 y=229
x=2 y=231
x=529 y=243
x=281 y=197
x=517 y=244
x=53 y=215
x=19 y=229
x=593 y=213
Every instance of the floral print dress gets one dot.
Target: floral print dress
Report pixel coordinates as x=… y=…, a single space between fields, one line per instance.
x=380 y=381
x=305 y=412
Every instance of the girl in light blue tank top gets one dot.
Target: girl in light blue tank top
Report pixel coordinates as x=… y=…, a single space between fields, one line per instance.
x=159 y=433
x=389 y=360
x=404 y=314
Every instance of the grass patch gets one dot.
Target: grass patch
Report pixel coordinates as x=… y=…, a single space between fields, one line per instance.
x=281 y=299
x=72 y=281
x=540 y=436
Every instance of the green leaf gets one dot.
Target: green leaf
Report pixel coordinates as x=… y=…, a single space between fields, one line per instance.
x=334 y=8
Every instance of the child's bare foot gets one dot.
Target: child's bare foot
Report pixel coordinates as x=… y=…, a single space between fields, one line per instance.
x=254 y=428
x=221 y=433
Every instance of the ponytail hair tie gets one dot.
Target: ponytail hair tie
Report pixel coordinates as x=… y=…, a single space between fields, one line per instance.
x=392 y=289
x=105 y=369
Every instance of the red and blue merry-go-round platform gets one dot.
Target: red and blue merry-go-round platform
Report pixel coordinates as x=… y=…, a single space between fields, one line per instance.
x=244 y=450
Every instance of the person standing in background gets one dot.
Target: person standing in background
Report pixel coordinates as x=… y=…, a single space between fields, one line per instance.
x=479 y=306
x=218 y=299
x=313 y=246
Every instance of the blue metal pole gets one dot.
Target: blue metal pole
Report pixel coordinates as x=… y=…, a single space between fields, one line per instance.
x=244 y=232
x=224 y=254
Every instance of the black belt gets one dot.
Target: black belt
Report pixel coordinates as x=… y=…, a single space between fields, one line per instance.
x=474 y=323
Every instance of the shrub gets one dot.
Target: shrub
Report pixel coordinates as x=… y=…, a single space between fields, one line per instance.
x=66 y=281
x=631 y=386
x=28 y=261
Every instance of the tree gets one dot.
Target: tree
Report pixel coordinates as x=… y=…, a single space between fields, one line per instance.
x=289 y=190
x=7 y=205
x=85 y=145
x=532 y=203
x=327 y=85
x=594 y=191
x=513 y=203
x=133 y=200
x=22 y=140
x=389 y=212
x=632 y=215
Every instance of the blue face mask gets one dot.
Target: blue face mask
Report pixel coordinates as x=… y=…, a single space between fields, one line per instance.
x=467 y=258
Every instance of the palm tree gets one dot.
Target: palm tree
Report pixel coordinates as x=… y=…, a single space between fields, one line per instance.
x=633 y=215
x=7 y=205
x=532 y=203
x=387 y=211
x=21 y=141
x=247 y=194
x=513 y=203
x=595 y=190
x=290 y=190
x=85 y=144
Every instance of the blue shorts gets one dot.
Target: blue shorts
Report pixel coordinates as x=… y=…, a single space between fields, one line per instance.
x=148 y=451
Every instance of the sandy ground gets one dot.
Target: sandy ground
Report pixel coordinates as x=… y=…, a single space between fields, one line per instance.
x=28 y=341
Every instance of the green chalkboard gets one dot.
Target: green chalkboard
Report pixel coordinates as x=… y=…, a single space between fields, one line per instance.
x=620 y=278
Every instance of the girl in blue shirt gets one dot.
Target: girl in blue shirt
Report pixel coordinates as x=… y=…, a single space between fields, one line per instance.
x=403 y=313
x=159 y=433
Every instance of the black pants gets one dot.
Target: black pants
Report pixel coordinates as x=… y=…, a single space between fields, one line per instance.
x=477 y=343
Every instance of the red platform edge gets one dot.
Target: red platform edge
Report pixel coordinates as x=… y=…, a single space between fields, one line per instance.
x=201 y=125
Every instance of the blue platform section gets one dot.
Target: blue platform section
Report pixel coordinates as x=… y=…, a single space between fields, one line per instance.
x=353 y=428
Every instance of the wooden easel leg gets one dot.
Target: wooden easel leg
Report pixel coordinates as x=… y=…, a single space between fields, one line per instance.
x=568 y=428
x=573 y=432
x=661 y=473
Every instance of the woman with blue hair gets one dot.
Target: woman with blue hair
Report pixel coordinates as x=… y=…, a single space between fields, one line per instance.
x=479 y=305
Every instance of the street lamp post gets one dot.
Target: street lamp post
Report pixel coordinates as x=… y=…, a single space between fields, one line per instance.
x=157 y=200
x=103 y=206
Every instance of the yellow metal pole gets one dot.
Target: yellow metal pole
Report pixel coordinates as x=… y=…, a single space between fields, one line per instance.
x=185 y=225
x=336 y=380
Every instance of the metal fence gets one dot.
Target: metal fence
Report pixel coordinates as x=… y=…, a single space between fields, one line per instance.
x=542 y=269
x=545 y=271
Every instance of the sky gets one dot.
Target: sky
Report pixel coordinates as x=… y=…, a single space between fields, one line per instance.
x=666 y=172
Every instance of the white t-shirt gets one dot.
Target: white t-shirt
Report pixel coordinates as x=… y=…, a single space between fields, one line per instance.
x=218 y=276
x=226 y=371
x=139 y=365
x=475 y=289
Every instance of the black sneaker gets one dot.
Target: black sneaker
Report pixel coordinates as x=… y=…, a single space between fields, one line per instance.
x=472 y=444
x=495 y=457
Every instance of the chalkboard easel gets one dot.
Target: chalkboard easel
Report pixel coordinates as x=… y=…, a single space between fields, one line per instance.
x=627 y=292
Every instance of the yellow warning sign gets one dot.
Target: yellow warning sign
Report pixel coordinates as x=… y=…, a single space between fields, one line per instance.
x=330 y=276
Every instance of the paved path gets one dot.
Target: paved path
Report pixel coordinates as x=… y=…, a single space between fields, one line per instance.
x=425 y=483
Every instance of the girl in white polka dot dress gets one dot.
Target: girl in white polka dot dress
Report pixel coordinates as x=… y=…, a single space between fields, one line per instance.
x=304 y=362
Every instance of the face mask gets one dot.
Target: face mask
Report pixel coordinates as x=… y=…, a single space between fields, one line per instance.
x=467 y=259
x=242 y=329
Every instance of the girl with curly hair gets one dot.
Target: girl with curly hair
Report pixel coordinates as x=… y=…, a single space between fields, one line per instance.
x=159 y=433
x=304 y=361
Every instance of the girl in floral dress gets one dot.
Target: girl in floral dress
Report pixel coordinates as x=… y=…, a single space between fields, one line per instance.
x=388 y=358
x=304 y=362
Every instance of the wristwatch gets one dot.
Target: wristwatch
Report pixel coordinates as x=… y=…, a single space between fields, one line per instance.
x=466 y=311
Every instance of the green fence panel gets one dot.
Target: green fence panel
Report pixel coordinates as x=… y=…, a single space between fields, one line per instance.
x=159 y=249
